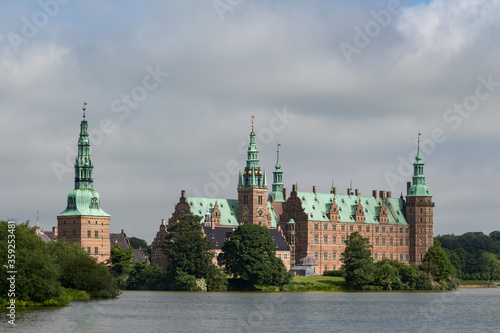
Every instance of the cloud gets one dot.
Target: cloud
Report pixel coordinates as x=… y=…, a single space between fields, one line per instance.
x=352 y=120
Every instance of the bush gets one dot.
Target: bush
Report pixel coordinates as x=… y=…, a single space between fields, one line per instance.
x=337 y=273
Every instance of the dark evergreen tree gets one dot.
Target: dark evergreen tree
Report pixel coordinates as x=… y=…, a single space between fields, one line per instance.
x=250 y=255
x=189 y=253
x=357 y=263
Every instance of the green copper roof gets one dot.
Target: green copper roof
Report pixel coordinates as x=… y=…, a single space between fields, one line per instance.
x=277 y=187
x=228 y=209
x=84 y=200
x=418 y=187
x=317 y=206
x=252 y=176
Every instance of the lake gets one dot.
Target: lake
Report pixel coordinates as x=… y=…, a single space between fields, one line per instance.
x=467 y=310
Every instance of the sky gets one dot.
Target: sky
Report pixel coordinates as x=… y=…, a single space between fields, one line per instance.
x=344 y=86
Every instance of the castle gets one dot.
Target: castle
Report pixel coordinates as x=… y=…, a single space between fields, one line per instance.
x=303 y=225
x=314 y=225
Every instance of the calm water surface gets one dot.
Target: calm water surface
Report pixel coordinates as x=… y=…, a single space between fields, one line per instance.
x=468 y=310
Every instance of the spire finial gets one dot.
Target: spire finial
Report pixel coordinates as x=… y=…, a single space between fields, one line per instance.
x=418 y=157
x=84 y=109
x=253 y=117
x=278 y=150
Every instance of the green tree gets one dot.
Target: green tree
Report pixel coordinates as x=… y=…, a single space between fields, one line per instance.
x=145 y=277
x=357 y=263
x=495 y=235
x=250 y=254
x=121 y=264
x=188 y=252
x=81 y=271
x=37 y=278
x=436 y=263
x=135 y=243
x=489 y=266
x=387 y=275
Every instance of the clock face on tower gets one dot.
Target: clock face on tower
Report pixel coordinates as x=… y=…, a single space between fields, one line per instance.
x=245 y=211
x=259 y=212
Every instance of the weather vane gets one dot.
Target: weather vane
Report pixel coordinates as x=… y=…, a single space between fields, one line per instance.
x=419 y=136
x=84 y=108
x=253 y=117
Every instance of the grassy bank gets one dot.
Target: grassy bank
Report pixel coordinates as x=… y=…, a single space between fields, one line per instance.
x=477 y=283
x=316 y=283
x=69 y=296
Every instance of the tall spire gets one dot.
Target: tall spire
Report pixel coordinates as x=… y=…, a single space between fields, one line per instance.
x=83 y=164
x=418 y=187
x=277 y=187
x=84 y=200
x=252 y=175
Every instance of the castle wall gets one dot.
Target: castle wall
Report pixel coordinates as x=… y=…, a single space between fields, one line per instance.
x=90 y=232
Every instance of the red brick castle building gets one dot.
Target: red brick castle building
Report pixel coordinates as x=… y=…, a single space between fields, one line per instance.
x=316 y=224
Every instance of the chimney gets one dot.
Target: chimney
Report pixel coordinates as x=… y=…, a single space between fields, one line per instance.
x=54 y=230
x=123 y=231
x=334 y=191
x=294 y=188
x=314 y=189
x=356 y=192
x=284 y=193
x=163 y=221
x=382 y=195
x=348 y=191
x=389 y=194
x=37 y=229
x=408 y=184
x=374 y=193
x=212 y=224
x=183 y=193
x=279 y=228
